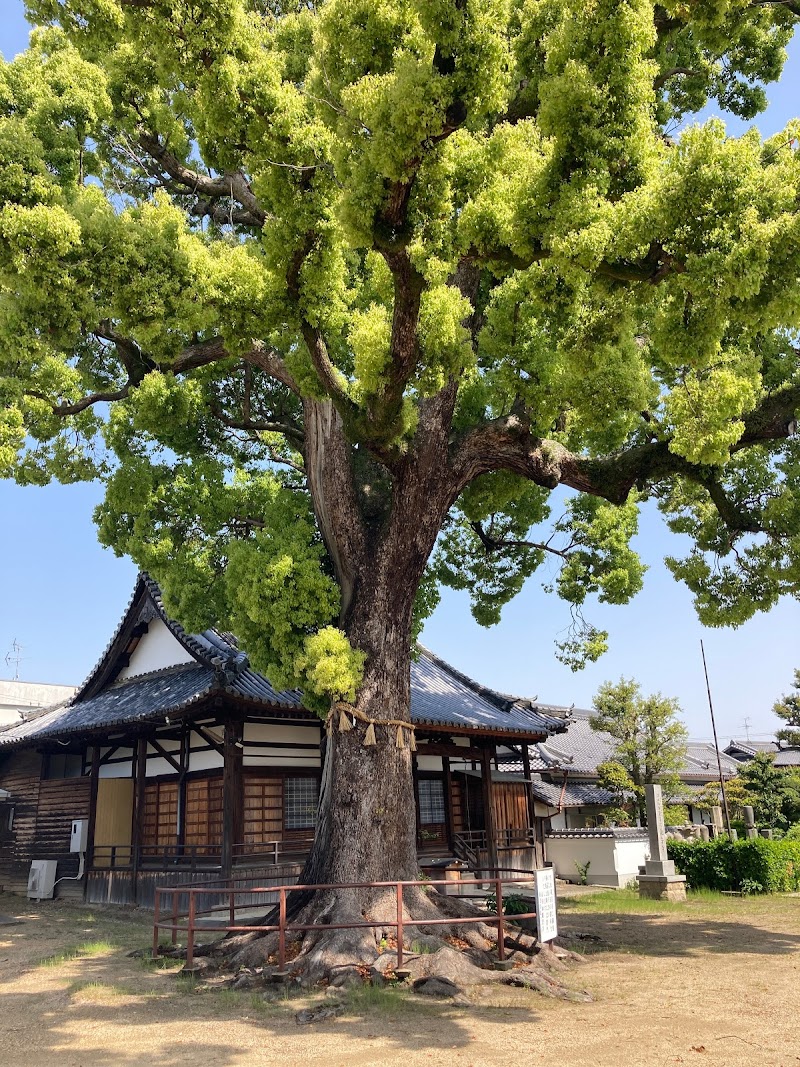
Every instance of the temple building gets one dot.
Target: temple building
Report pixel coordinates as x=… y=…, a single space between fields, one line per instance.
x=175 y=760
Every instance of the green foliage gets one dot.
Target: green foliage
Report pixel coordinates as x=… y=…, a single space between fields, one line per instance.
x=675 y=814
x=764 y=783
x=221 y=220
x=788 y=709
x=736 y=794
x=583 y=872
x=650 y=739
x=758 y=865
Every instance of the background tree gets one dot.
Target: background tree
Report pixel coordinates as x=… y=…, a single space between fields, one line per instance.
x=613 y=777
x=348 y=299
x=650 y=740
x=788 y=709
x=735 y=791
x=764 y=783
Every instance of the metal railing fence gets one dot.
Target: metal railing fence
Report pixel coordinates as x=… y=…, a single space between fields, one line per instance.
x=228 y=890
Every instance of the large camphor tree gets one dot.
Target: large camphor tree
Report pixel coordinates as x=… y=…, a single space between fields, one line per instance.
x=340 y=299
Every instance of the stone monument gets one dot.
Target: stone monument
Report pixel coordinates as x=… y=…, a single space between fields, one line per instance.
x=749 y=822
x=659 y=881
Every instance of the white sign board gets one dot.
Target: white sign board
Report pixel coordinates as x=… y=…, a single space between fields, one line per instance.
x=545 y=893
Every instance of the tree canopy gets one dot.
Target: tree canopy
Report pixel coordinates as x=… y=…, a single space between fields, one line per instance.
x=774 y=791
x=650 y=741
x=303 y=281
x=788 y=709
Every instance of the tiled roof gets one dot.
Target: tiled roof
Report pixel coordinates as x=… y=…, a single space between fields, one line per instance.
x=787 y=757
x=750 y=748
x=440 y=695
x=573 y=795
x=580 y=750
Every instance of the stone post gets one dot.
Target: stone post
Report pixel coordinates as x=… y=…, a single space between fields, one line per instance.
x=749 y=822
x=659 y=882
x=705 y=835
x=717 y=825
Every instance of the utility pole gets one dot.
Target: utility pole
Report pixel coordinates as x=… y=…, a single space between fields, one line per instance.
x=716 y=745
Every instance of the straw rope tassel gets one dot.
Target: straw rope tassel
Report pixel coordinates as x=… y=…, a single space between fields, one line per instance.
x=412 y=739
x=369 y=736
x=344 y=722
x=400 y=739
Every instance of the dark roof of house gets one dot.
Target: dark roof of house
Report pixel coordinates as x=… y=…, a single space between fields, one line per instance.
x=787 y=757
x=748 y=748
x=570 y=795
x=441 y=697
x=580 y=750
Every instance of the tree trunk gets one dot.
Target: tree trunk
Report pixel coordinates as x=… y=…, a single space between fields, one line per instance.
x=367 y=823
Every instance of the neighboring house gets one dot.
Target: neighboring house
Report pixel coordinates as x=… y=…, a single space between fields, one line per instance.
x=18 y=699
x=564 y=773
x=175 y=759
x=783 y=755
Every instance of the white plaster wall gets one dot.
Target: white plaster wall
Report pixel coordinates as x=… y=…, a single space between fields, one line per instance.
x=630 y=856
x=202 y=761
x=612 y=862
x=157 y=649
x=429 y=763
x=116 y=770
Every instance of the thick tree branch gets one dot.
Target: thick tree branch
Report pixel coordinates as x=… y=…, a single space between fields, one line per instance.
x=266 y=359
x=507 y=444
x=329 y=377
x=232 y=185
x=328 y=464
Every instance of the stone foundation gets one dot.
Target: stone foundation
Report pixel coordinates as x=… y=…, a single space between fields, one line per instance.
x=662 y=887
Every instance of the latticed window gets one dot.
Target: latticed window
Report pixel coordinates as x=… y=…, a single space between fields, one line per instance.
x=431 y=801
x=300 y=802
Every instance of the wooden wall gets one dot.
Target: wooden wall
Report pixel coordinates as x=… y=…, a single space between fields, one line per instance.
x=510 y=805
x=19 y=774
x=43 y=814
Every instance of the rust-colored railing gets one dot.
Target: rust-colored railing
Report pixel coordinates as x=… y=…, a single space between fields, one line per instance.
x=168 y=900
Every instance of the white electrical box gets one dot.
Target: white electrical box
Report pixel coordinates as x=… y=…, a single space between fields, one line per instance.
x=79 y=836
x=42 y=879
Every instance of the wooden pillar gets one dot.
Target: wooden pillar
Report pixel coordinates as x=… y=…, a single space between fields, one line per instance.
x=137 y=831
x=232 y=795
x=538 y=844
x=488 y=805
x=183 y=760
x=93 y=784
x=448 y=801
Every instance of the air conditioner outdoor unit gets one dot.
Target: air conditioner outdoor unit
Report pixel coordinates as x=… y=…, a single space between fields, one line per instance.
x=42 y=879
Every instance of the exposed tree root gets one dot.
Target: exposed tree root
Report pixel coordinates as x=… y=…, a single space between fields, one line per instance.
x=436 y=959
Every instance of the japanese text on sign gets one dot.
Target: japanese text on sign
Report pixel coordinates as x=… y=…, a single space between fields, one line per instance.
x=545 y=893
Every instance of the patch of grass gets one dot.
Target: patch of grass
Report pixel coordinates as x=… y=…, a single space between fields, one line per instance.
x=96 y=990
x=160 y=963
x=186 y=984
x=366 y=998
x=240 y=1000
x=422 y=948
x=76 y=952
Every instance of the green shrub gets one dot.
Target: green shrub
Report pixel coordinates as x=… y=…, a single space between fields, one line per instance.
x=754 y=866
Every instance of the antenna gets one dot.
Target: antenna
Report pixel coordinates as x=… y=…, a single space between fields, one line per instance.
x=716 y=745
x=746 y=724
x=14 y=657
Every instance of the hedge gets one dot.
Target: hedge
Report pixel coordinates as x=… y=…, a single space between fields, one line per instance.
x=755 y=866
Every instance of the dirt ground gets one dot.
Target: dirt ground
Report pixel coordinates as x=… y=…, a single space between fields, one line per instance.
x=714 y=982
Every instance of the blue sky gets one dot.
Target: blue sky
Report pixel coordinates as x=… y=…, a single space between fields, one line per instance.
x=61 y=594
